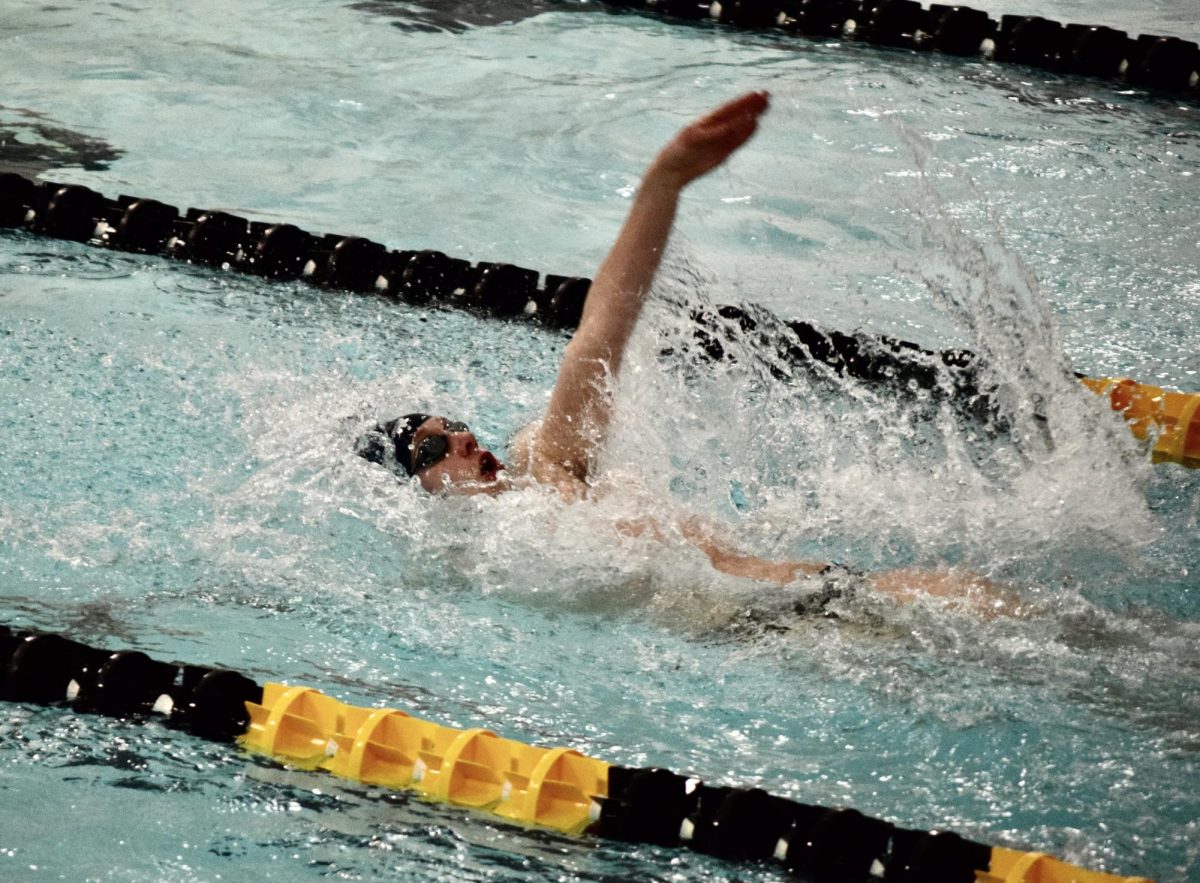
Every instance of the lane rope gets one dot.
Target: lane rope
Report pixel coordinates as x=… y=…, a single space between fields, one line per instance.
x=557 y=788
x=1149 y=61
x=284 y=252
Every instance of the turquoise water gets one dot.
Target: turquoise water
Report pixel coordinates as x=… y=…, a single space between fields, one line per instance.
x=178 y=476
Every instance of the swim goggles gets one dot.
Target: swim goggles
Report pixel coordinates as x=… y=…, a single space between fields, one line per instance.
x=435 y=448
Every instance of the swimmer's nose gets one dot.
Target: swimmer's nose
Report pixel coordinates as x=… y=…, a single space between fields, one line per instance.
x=463 y=443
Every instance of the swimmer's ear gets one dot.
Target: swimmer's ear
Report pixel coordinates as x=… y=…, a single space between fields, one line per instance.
x=373 y=446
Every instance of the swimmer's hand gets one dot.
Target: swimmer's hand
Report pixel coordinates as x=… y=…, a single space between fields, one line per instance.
x=708 y=142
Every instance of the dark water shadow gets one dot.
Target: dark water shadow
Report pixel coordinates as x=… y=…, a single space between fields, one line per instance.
x=31 y=144
x=456 y=16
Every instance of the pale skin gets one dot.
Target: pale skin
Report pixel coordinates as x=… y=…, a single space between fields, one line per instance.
x=559 y=450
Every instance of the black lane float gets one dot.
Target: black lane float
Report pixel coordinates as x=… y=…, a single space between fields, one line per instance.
x=1148 y=61
x=284 y=252
x=558 y=789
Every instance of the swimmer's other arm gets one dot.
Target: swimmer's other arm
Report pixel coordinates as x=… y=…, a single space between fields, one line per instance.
x=971 y=591
x=721 y=554
x=728 y=559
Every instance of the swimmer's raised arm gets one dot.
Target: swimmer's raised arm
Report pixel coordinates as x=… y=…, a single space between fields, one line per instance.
x=577 y=417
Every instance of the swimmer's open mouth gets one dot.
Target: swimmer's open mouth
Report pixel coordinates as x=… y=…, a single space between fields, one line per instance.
x=489 y=466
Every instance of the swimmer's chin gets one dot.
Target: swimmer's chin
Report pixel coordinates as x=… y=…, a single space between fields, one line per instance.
x=488 y=484
x=496 y=484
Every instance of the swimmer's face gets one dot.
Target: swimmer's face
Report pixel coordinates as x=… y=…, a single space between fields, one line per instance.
x=448 y=460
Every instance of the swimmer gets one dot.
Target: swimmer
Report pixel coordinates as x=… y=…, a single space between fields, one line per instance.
x=561 y=448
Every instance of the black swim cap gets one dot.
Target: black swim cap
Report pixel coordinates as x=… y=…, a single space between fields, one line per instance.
x=393 y=438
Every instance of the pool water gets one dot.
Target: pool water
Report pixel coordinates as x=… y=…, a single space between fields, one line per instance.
x=178 y=472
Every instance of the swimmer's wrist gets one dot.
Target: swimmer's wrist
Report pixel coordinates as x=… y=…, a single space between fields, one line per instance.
x=661 y=178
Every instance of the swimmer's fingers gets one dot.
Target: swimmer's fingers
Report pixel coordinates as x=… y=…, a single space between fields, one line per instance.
x=751 y=105
x=708 y=142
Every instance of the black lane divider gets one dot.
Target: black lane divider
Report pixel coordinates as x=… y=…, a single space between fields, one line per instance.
x=651 y=805
x=285 y=252
x=352 y=263
x=1147 y=61
x=48 y=669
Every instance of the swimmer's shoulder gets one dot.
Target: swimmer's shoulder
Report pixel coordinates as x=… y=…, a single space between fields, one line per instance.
x=524 y=460
x=519 y=455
